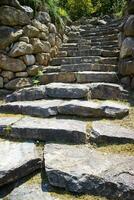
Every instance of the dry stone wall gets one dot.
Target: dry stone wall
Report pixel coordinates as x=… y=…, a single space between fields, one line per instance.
x=27 y=44
x=126 y=42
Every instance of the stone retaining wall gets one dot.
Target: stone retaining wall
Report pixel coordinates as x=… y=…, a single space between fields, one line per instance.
x=27 y=44
x=126 y=42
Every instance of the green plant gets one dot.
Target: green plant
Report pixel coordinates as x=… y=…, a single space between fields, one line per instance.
x=36 y=80
x=7 y=129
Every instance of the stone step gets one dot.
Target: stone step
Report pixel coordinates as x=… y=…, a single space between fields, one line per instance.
x=81 y=170
x=110 y=133
x=44 y=129
x=90 y=52
x=99 y=32
x=86 y=46
x=69 y=91
x=92 y=77
x=48 y=108
x=79 y=77
x=84 y=59
x=16 y=159
x=81 y=67
x=75 y=43
x=96 y=38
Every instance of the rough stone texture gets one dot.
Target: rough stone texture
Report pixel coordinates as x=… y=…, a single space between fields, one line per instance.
x=126 y=67
x=52 y=28
x=40 y=46
x=17 y=160
x=18 y=83
x=106 y=91
x=4 y=93
x=24 y=39
x=43 y=17
x=7 y=74
x=1 y=82
x=93 y=109
x=127 y=47
x=11 y=16
x=33 y=70
x=40 y=26
x=21 y=74
x=71 y=131
x=28 y=94
x=43 y=58
x=29 y=59
x=30 y=191
x=129 y=26
x=69 y=91
x=11 y=64
x=87 y=77
x=65 y=77
x=125 y=81
x=110 y=132
x=20 y=49
x=80 y=169
x=8 y=35
x=31 y=31
x=40 y=108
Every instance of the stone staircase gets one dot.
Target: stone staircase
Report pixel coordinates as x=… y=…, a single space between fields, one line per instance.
x=80 y=86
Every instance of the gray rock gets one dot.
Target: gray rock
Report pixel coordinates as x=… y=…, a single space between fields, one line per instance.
x=28 y=192
x=127 y=47
x=106 y=91
x=126 y=81
x=129 y=26
x=7 y=74
x=110 y=132
x=80 y=169
x=40 y=108
x=20 y=49
x=8 y=35
x=18 y=83
x=28 y=94
x=29 y=59
x=126 y=67
x=11 y=16
x=11 y=64
x=40 y=26
x=69 y=91
x=33 y=70
x=43 y=17
x=17 y=160
x=88 y=77
x=21 y=74
x=40 y=46
x=31 y=31
x=51 y=129
x=4 y=93
x=1 y=82
x=93 y=109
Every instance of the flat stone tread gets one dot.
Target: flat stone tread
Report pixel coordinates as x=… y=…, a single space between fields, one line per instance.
x=47 y=129
x=111 y=130
x=16 y=157
x=82 y=170
x=46 y=108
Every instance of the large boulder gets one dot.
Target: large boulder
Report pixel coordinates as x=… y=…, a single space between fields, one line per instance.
x=11 y=64
x=129 y=26
x=40 y=46
x=20 y=49
x=40 y=26
x=31 y=31
x=11 y=16
x=127 y=47
x=126 y=67
x=8 y=35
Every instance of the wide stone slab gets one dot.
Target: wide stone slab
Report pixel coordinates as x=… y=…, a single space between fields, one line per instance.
x=46 y=108
x=17 y=160
x=40 y=108
x=93 y=109
x=107 y=91
x=80 y=169
x=67 y=91
x=51 y=129
x=89 y=77
x=28 y=94
x=109 y=132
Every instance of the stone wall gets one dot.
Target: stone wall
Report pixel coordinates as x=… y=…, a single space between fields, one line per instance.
x=27 y=43
x=126 y=42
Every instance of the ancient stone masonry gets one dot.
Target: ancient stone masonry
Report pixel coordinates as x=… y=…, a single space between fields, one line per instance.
x=126 y=42
x=27 y=44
